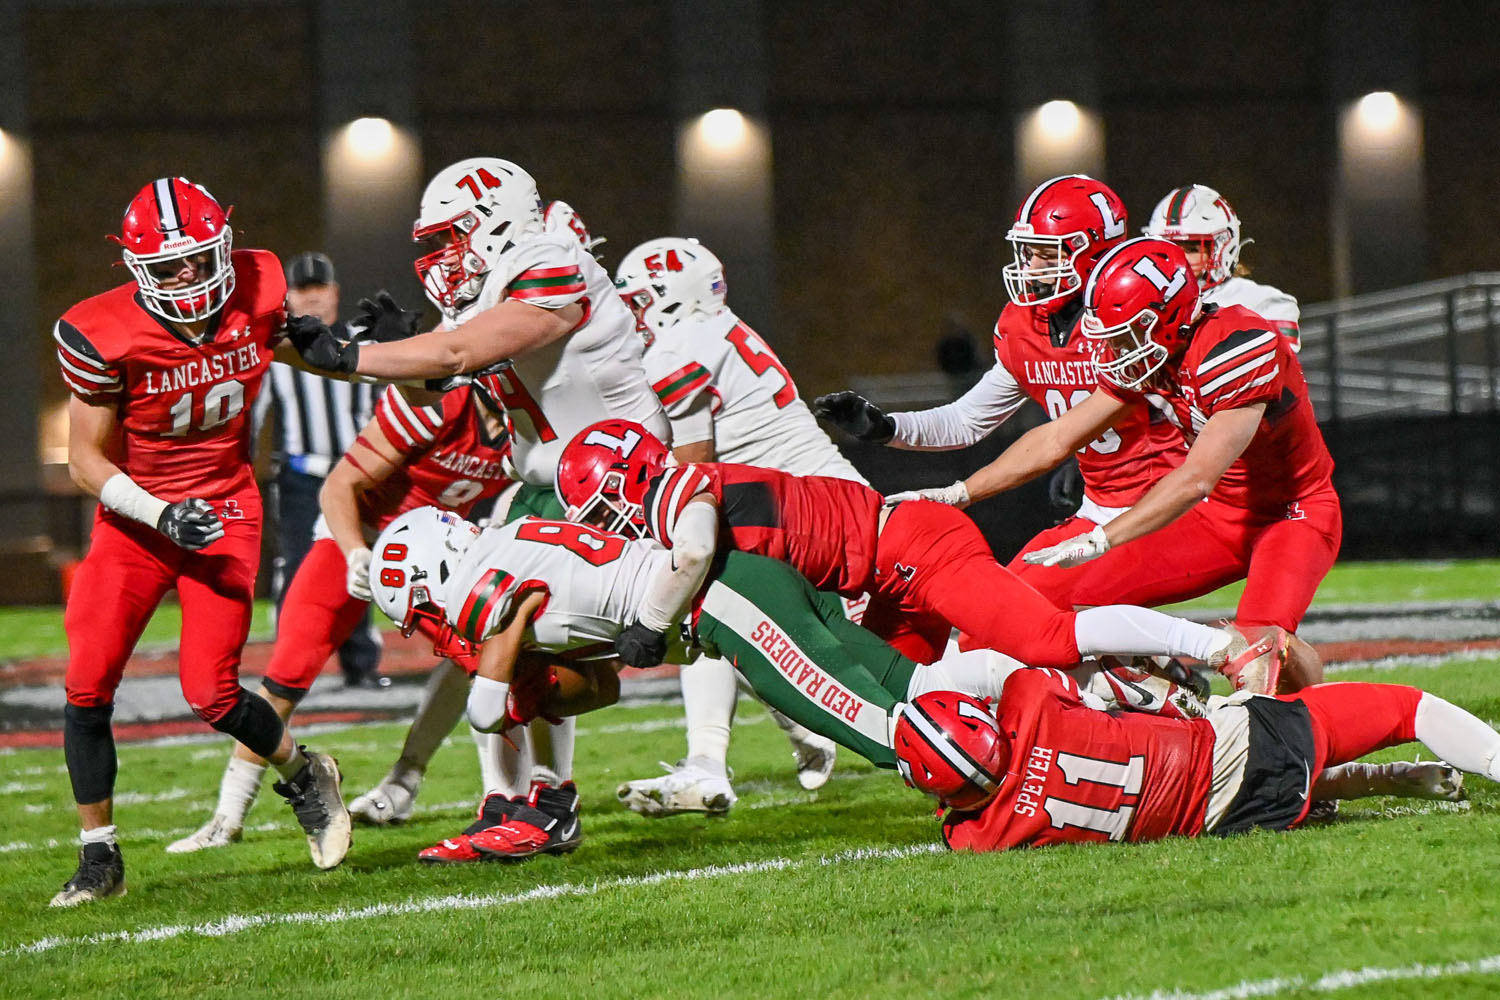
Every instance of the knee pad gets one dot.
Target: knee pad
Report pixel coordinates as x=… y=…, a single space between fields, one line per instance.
x=253 y=722
x=89 y=747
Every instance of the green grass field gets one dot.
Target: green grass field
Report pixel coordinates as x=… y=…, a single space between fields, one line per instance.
x=835 y=893
x=839 y=893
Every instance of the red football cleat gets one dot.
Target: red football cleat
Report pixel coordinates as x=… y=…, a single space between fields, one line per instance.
x=460 y=849
x=545 y=823
x=1254 y=658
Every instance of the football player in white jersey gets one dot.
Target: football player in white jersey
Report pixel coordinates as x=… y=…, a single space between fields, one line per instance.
x=730 y=399
x=1202 y=222
x=514 y=293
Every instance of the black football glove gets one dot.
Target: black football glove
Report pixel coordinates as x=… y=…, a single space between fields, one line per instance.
x=856 y=416
x=321 y=350
x=1065 y=490
x=301 y=331
x=382 y=320
x=641 y=646
x=191 y=524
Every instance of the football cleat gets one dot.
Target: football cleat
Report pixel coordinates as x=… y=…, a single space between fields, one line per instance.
x=815 y=756
x=683 y=789
x=1136 y=690
x=101 y=874
x=313 y=793
x=217 y=832
x=545 y=822
x=458 y=850
x=384 y=805
x=1177 y=672
x=1253 y=666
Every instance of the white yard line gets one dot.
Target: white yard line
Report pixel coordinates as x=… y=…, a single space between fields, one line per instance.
x=237 y=923
x=1330 y=982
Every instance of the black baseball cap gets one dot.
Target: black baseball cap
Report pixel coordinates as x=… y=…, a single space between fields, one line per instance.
x=309 y=269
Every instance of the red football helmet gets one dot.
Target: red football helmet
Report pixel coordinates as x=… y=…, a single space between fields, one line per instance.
x=170 y=225
x=1140 y=302
x=1061 y=229
x=949 y=745
x=603 y=472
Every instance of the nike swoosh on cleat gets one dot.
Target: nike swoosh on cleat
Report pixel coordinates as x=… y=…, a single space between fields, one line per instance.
x=569 y=830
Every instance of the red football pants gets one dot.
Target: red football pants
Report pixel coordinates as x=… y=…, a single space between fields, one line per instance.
x=317 y=615
x=1350 y=720
x=934 y=571
x=1282 y=558
x=1053 y=582
x=128 y=570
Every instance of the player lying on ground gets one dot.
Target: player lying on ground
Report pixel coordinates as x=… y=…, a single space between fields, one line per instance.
x=450 y=454
x=925 y=565
x=1042 y=768
x=164 y=371
x=547 y=599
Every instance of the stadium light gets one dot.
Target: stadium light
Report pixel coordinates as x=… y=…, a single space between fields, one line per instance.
x=370 y=139
x=722 y=129
x=1058 y=137
x=1379 y=112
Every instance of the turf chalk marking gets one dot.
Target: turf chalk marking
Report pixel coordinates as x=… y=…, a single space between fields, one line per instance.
x=1328 y=983
x=236 y=923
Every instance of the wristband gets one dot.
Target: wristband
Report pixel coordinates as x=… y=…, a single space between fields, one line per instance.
x=123 y=495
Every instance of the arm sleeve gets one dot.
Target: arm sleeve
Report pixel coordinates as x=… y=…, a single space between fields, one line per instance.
x=408 y=428
x=966 y=420
x=674 y=585
x=547 y=273
x=84 y=370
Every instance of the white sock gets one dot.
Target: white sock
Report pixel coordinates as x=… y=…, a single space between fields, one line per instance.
x=710 y=692
x=1458 y=737
x=552 y=750
x=289 y=768
x=238 y=788
x=502 y=768
x=98 y=835
x=1126 y=630
x=977 y=672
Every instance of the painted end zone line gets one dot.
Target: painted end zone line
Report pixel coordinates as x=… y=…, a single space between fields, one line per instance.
x=236 y=923
x=1331 y=982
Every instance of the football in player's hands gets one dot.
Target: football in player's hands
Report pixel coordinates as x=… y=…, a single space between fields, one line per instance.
x=856 y=416
x=641 y=646
x=381 y=319
x=191 y=523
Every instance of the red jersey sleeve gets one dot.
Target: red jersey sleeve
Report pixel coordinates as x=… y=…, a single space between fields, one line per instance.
x=85 y=371
x=408 y=428
x=668 y=495
x=1239 y=370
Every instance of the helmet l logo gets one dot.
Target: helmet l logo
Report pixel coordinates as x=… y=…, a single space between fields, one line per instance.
x=1113 y=225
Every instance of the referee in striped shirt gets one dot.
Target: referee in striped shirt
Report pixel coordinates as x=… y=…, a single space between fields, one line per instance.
x=317 y=420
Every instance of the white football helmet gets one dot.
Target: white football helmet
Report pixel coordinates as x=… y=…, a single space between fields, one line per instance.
x=667 y=280
x=414 y=558
x=472 y=213
x=561 y=216
x=1198 y=219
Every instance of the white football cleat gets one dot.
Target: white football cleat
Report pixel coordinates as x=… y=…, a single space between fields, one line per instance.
x=1252 y=665
x=384 y=805
x=217 y=832
x=313 y=793
x=815 y=756
x=684 y=788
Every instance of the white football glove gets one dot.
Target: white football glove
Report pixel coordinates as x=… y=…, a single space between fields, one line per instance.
x=955 y=495
x=357 y=575
x=1076 y=550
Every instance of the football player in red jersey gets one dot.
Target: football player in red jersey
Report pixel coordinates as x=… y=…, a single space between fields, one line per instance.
x=1254 y=498
x=1043 y=768
x=1060 y=231
x=925 y=565
x=449 y=454
x=163 y=371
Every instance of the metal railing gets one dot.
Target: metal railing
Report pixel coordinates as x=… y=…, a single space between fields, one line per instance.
x=1424 y=350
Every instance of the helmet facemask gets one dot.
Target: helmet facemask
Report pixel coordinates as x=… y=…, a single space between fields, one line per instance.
x=452 y=274
x=1044 y=267
x=1129 y=357
x=608 y=509
x=188 y=303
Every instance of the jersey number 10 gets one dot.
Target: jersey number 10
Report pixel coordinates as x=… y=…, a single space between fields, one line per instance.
x=221 y=404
